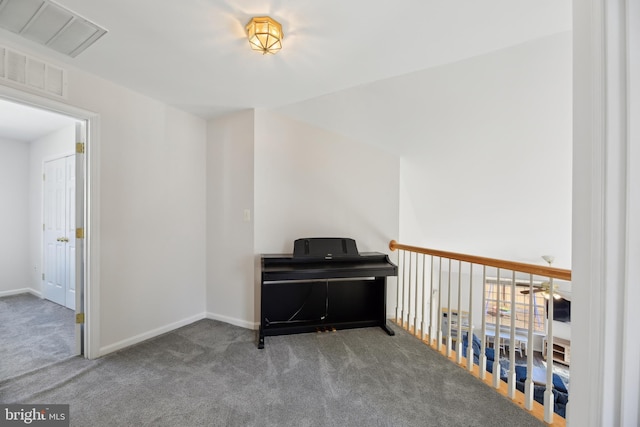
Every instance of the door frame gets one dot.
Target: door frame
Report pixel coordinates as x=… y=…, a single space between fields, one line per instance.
x=88 y=333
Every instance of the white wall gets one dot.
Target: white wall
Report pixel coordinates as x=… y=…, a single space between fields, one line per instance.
x=295 y=181
x=230 y=190
x=491 y=172
x=313 y=183
x=14 y=221
x=152 y=214
x=54 y=145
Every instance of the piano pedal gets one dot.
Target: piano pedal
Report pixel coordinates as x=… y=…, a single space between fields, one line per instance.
x=333 y=329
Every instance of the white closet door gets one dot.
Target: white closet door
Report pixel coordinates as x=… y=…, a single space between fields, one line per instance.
x=59 y=231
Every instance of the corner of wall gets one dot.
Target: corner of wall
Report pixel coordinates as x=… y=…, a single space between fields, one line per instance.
x=230 y=282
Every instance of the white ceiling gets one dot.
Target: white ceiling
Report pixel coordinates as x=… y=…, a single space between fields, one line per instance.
x=193 y=54
x=23 y=123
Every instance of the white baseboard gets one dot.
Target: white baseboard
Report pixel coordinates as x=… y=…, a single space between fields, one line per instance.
x=20 y=291
x=149 y=334
x=172 y=326
x=233 y=321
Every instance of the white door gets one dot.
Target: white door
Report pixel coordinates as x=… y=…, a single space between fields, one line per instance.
x=59 y=229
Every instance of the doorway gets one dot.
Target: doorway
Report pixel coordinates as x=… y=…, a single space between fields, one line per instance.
x=61 y=203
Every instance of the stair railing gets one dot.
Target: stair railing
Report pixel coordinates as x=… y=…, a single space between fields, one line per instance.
x=424 y=275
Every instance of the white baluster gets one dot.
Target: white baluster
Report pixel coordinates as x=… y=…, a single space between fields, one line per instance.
x=424 y=296
x=528 y=384
x=511 y=382
x=415 y=311
x=470 y=332
x=548 y=394
x=404 y=263
x=440 y=308
x=432 y=335
x=496 y=339
x=449 y=311
x=399 y=289
x=483 y=340
x=460 y=316
x=409 y=286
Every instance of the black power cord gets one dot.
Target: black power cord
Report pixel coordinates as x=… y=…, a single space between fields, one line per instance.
x=304 y=303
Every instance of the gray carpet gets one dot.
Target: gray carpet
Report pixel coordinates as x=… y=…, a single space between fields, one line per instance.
x=211 y=374
x=34 y=333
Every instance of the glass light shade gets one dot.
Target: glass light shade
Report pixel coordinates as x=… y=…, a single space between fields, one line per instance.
x=265 y=35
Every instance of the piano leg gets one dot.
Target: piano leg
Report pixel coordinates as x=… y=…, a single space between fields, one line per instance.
x=260 y=338
x=387 y=328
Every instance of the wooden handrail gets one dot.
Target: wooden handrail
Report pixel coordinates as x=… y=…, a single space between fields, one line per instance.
x=538 y=270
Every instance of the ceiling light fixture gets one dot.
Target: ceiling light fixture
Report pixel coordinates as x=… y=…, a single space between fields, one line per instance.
x=265 y=35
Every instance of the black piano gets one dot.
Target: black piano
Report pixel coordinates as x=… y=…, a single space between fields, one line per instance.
x=324 y=286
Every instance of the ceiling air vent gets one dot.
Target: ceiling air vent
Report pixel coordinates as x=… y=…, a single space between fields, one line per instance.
x=49 y=24
x=27 y=71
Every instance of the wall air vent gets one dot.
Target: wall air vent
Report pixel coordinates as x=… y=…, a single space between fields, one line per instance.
x=26 y=71
x=49 y=24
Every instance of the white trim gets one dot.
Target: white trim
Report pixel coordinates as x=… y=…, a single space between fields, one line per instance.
x=57 y=156
x=233 y=321
x=587 y=367
x=149 y=334
x=604 y=371
x=92 y=337
x=44 y=103
x=630 y=351
x=613 y=229
x=21 y=291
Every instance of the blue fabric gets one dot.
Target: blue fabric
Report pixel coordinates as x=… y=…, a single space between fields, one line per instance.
x=476 y=345
x=559 y=390
x=560 y=403
x=490 y=366
x=490 y=353
x=558 y=384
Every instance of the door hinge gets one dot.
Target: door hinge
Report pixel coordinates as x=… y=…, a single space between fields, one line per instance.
x=79 y=233
x=44 y=177
x=80 y=147
x=42 y=276
x=79 y=317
